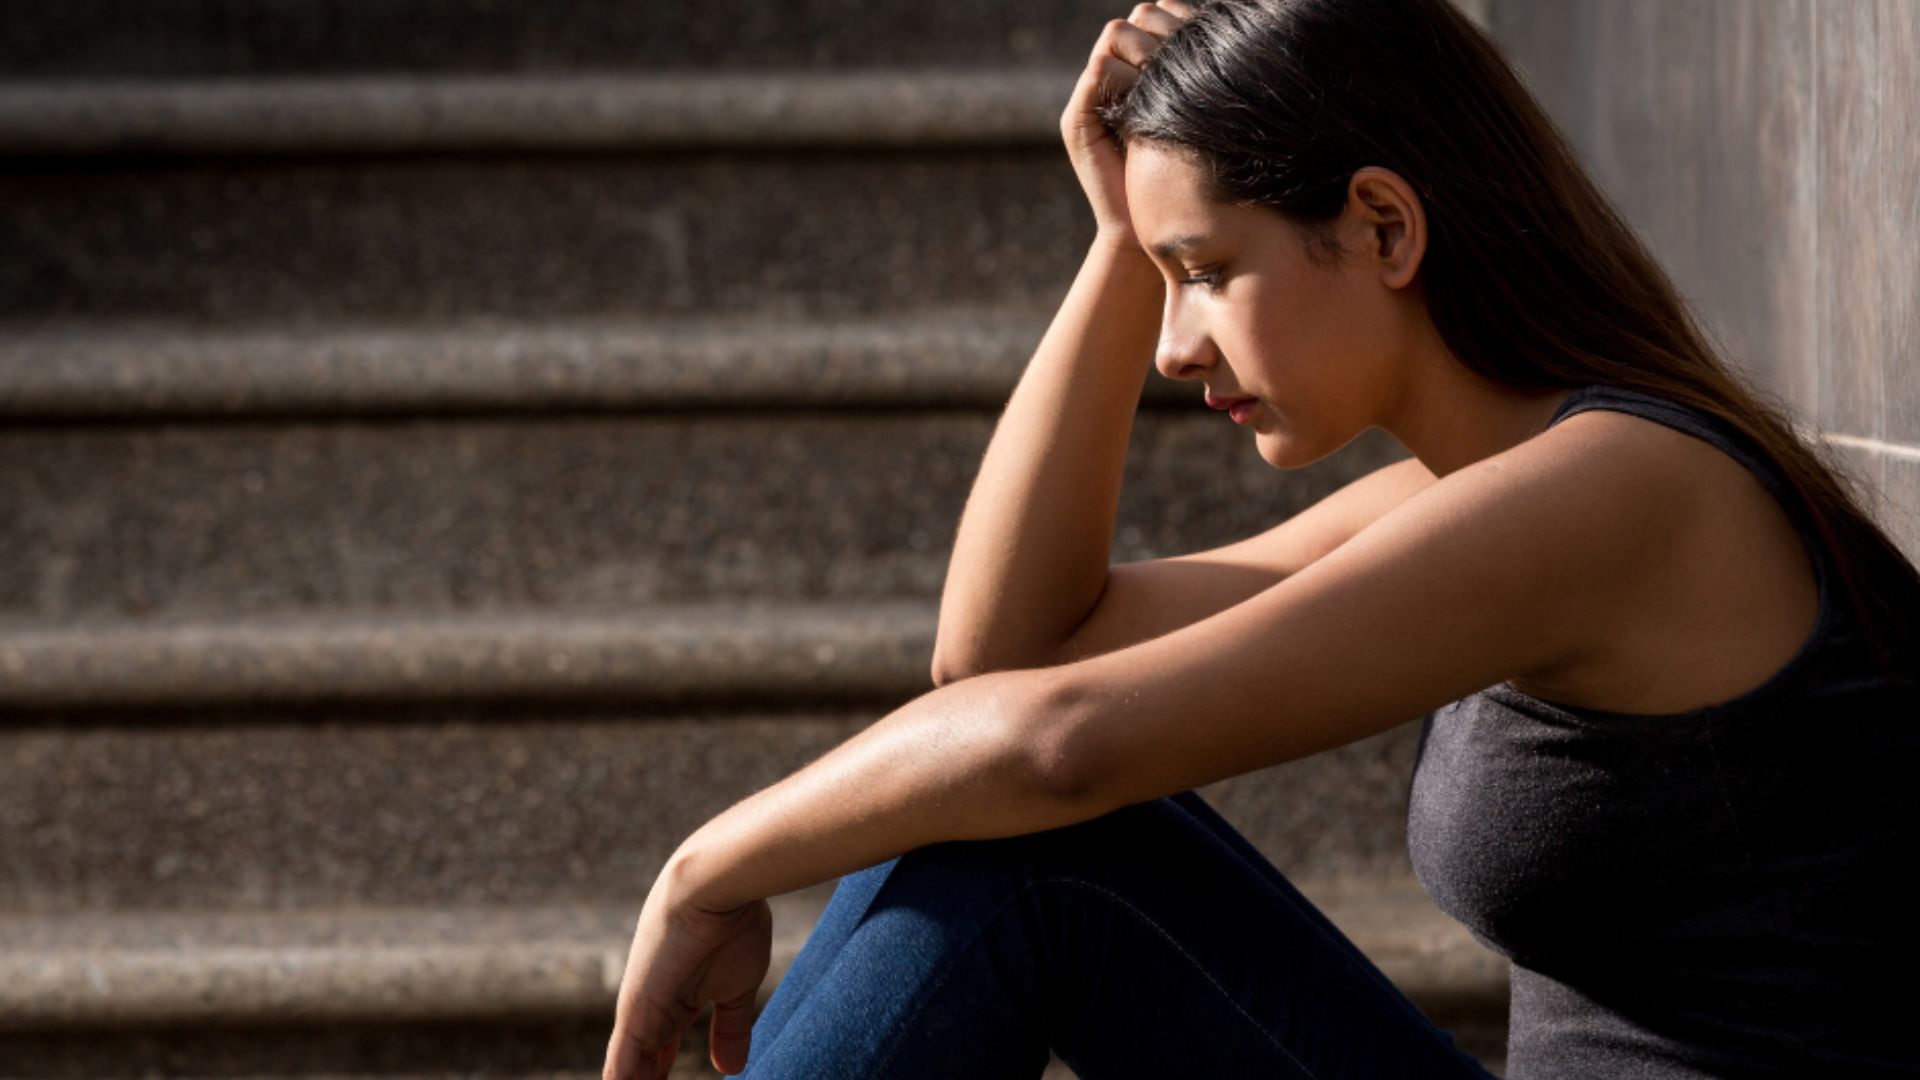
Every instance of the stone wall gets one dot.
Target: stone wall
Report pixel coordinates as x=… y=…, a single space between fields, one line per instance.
x=1769 y=150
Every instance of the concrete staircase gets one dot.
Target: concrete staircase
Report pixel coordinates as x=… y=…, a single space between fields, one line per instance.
x=454 y=448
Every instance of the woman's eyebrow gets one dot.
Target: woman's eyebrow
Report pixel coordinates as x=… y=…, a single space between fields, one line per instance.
x=1168 y=248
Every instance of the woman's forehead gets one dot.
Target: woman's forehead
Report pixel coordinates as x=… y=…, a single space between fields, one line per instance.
x=1161 y=161
x=1168 y=187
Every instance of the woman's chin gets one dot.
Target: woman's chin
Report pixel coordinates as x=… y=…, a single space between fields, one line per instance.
x=1276 y=451
x=1282 y=452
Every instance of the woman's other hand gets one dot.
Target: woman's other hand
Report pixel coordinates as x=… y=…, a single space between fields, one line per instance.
x=1112 y=68
x=683 y=957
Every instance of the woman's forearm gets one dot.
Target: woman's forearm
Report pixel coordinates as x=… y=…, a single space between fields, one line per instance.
x=973 y=760
x=1030 y=556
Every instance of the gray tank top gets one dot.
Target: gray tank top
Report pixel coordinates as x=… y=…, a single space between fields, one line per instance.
x=1727 y=892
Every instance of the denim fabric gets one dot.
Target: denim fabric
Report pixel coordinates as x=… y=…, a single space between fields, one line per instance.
x=1153 y=941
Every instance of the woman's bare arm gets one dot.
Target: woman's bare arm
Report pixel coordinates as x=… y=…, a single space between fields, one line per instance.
x=1145 y=599
x=1501 y=569
x=1030 y=557
x=1029 y=584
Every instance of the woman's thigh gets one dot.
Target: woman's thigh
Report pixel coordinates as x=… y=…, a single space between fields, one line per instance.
x=1150 y=942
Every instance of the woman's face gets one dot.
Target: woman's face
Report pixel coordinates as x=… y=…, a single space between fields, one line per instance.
x=1249 y=315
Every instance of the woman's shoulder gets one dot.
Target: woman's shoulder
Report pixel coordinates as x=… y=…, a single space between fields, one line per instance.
x=1569 y=522
x=1729 y=590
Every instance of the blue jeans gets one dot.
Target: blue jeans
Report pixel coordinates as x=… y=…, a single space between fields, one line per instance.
x=1152 y=942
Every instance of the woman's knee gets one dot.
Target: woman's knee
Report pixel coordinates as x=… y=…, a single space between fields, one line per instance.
x=959 y=867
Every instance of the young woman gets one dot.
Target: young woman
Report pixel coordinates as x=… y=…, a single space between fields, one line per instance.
x=1666 y=665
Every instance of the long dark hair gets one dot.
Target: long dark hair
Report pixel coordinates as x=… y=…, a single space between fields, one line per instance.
x=1530 y=275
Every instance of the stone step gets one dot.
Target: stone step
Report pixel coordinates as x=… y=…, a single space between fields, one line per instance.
x=158 y=39
x=402 y=114
x=317 y=242
x=460 y=515
x=155 y=370
x=73 y=986
x=269 y=805
x=665 y=655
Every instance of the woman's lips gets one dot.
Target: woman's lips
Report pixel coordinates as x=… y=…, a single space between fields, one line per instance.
x=1240 y=408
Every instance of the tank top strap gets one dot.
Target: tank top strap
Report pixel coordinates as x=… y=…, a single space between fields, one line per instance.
x=1701 y=425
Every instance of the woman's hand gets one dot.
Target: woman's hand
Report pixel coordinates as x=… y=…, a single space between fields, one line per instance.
x=1123 y=47
x=683 y=957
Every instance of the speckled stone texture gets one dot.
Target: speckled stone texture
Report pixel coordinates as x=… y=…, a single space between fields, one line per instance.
x=181 y=38
x=443 y=515
x=414 y=964
x=185 y=988
x=830 y=232
x=660 y=656
x=489 y=114
x=945 y=357
x=273 y=808
x=409 y=549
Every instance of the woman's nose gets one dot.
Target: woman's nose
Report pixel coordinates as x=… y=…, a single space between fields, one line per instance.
x=1183 y=353
x=1173 y=362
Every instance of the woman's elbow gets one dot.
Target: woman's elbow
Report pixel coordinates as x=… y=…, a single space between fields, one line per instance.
x=945 y=671
x=1032 y=720
x=953 y=665
x=1052 y=733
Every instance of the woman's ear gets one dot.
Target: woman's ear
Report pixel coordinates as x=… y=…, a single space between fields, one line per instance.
x=1395 y=223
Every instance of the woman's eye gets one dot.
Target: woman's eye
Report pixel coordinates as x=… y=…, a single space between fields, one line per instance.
x=1210 y=279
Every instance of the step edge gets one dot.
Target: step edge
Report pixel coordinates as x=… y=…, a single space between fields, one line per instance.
x=148 y=370
x=818 y=651
x=387 y=114
x=577 y=972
